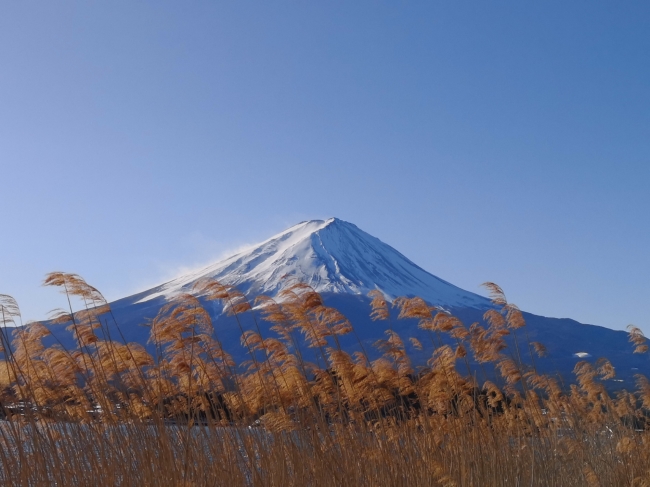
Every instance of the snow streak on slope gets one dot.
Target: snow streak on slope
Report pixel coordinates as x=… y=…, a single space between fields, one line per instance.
x=331 y=256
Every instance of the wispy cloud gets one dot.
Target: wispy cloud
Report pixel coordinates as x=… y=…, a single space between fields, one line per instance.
x=204 y=252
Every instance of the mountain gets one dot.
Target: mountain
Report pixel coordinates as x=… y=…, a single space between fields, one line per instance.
x=344 y=263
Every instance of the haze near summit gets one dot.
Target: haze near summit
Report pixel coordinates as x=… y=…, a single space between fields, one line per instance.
x=500 y=142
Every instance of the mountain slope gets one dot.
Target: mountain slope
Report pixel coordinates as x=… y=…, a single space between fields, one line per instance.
x=331 y=256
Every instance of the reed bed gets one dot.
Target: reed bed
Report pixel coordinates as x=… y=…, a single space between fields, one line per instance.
x=302 y=411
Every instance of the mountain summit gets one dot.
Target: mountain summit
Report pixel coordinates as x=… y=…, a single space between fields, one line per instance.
x=332 y=256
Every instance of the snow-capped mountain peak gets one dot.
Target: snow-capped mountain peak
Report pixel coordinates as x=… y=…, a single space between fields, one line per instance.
x=332 y=256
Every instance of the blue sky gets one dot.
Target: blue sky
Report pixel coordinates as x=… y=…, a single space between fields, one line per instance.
x=503 y=141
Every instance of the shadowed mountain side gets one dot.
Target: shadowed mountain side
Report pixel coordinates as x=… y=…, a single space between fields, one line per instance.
x=563 y=338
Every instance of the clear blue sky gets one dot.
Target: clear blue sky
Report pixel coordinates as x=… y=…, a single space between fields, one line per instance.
x=504 y=141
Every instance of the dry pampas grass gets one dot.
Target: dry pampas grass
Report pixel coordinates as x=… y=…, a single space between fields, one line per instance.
x=304 y=410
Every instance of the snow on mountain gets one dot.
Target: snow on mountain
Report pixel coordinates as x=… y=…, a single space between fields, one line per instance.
x=332 y=256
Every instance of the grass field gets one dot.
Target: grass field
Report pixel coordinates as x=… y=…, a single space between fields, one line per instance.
x=110 y=413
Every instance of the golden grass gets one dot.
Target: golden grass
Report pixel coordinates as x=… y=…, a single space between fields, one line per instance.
x=110 y=413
